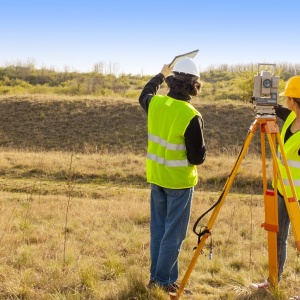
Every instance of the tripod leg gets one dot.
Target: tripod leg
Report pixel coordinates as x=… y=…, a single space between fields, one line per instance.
x=271 y=214
x=216 y=211
x=271 y=225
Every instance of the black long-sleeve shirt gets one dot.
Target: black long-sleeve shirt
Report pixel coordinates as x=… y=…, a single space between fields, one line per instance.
x=282 y=113
x=194 y=140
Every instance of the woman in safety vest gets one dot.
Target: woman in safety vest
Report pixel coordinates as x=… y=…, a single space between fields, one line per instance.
x=290 y=136
x=175 y=146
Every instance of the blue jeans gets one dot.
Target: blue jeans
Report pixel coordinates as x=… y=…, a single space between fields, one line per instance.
x=170 y=214
x=282 y=235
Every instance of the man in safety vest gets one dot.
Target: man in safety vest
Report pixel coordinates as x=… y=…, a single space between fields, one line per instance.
x=290 y=136
x=175 y=146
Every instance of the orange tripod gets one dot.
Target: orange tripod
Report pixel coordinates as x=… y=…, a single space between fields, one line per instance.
x=268 y=127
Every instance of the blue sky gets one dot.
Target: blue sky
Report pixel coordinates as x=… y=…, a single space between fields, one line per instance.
x=139 y=36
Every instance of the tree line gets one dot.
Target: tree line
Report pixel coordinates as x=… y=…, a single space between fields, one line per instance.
x=19 y=78
x=234 y=82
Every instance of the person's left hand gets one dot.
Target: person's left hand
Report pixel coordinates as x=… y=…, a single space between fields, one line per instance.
x=166 y=70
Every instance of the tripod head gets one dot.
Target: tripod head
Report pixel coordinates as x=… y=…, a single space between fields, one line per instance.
x=265 y=92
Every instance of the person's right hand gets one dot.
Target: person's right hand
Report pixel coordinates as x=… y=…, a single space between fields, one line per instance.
x=166 y=70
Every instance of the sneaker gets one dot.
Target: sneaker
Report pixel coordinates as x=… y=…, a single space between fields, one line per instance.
x=171 y=288
x=260 y=286
x=174 y=287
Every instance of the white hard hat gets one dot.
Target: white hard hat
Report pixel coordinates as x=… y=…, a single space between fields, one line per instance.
x=186 y=66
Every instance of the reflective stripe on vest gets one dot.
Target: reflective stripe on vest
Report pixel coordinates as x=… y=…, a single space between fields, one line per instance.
x=291 y=163
x=295 y=182
x=164 y=143
x=168 y=163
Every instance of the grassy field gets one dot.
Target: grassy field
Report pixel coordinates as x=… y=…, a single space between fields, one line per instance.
x=75 y=210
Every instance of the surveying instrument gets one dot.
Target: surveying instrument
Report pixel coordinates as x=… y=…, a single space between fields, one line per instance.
x=264 y=98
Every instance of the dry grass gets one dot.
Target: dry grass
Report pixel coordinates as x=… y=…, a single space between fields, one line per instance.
x=49 y=171
x=101 y=246
x=107 y=248
x=102 y=251
x=107 y=235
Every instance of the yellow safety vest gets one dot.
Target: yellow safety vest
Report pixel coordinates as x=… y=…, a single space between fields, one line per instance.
x=291 y=148
x=167 y=164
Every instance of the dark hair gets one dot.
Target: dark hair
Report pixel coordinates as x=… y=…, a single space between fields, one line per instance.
x=184 y=87
x=297 y=100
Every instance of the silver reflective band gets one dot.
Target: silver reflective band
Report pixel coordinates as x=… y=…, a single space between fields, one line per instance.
x=296 y=182
x=168 y=163
x=294 y=163
x=291 y=163
x=164 y=143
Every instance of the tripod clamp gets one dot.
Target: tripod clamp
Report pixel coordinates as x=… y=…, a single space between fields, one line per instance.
x=205 y=232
